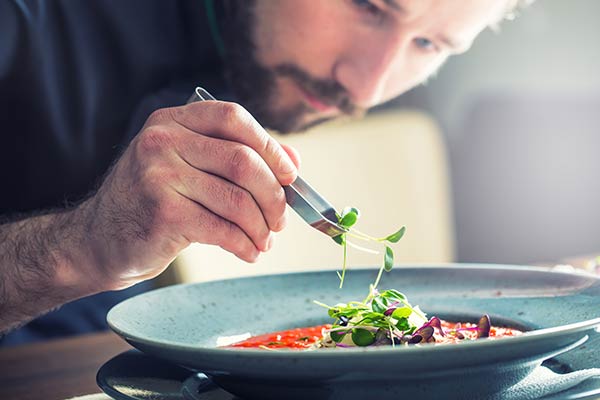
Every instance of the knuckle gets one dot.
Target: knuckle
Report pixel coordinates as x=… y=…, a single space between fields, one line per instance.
x=244 y=249
x=160 y=115
x=211 y=149
x=272 y=147
x=239 y=199
x=242 y=163
x=153 y=177
x=225 y=233
x=155 y=140
x=233 y=113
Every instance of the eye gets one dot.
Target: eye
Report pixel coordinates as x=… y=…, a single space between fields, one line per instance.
x=425 y=44
x=367 y=6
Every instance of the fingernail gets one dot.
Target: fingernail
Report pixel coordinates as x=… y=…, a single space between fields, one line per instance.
x=270 y=241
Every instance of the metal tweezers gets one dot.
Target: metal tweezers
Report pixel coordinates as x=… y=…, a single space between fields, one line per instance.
x=306 y=201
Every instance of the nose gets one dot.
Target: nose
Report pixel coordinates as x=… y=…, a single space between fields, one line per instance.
x=365 y=68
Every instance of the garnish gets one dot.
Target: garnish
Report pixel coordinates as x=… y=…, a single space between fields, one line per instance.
x=381 y=318
x=348 y=219
x=483 y=327
x=387 y=318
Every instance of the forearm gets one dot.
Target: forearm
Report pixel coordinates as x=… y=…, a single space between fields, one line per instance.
x=42 y=265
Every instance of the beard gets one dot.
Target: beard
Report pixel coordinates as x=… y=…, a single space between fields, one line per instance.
x=255 y=85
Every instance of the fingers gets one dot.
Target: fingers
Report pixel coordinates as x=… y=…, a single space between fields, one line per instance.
x=225 y=200
x=293 y=154
x=230 y=121
x=206 y=227
x=216 y=158
x=240 y=165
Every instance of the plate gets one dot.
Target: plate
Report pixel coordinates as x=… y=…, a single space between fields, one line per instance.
x=182 y=324
x=133 y=375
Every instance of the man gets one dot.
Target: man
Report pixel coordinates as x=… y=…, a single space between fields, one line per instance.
x=85 y=83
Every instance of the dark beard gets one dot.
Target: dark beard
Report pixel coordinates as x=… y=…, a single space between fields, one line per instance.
x=255 y=85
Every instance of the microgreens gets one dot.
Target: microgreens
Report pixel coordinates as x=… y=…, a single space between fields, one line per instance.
x=387 y=318
x=347 y=220
x=384 y=317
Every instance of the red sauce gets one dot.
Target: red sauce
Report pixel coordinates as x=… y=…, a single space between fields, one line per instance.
x=302 y=338
x=468 y=330
x=299 y=338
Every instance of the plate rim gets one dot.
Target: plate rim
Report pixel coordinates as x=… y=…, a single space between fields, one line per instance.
x=526 y=337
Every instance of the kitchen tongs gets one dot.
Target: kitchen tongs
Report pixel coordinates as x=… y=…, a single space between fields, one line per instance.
x=303 y=199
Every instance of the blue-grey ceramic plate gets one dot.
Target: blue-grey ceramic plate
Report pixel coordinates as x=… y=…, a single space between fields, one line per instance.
x=133 y=375
x=182 y=323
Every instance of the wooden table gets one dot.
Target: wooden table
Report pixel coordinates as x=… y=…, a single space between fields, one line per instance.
x=56 y=369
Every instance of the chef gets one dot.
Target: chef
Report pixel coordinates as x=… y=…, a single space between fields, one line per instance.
x=106 y=175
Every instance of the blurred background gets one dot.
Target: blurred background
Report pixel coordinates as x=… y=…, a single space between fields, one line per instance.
x=520 y=114
x=497 y=159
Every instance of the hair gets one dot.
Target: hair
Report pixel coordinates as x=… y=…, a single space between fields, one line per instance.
x=512 y=11
x=514 y=6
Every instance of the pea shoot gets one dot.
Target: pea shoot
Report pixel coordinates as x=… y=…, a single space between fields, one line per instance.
x=348 y=219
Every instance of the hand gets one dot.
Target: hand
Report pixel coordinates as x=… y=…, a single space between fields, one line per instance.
x=206 y=172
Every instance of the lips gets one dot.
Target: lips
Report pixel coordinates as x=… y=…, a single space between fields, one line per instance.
x=317 y=104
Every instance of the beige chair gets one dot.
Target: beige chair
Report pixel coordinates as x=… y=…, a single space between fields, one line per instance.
x=391 y=166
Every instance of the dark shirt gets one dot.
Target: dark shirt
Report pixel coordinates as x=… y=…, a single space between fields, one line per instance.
x=77 y=81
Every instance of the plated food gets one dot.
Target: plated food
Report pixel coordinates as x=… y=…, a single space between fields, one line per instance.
x=382 y=319
x=183 y=323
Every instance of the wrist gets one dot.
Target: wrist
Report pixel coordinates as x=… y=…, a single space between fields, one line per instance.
x=76 y=263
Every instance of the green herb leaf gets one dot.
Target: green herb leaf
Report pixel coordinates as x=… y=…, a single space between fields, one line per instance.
x=388 y=259
x=362 y=337
x=402 y=312
x=349 y=217
x=340 y=239
x=348 y=210
x=378 y=305
x=395 y=237
x=374 y=316
x=404 y=325
x=337 y=336
x=393 y=294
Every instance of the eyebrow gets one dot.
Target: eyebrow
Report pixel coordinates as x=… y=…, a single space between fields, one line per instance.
x=453 y=44
x=449 y=42
x=393 y=4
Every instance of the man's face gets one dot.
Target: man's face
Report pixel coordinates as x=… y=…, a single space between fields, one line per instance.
x=311 y=61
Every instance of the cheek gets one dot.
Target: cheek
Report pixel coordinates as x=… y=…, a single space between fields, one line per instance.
x=411 y=73
x=299 y=32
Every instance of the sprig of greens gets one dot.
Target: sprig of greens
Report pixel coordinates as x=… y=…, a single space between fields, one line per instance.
x=382 y=318
x=348 y=219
